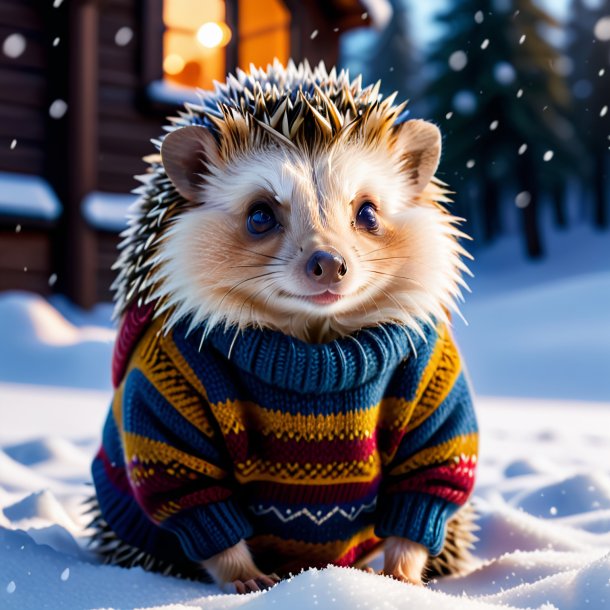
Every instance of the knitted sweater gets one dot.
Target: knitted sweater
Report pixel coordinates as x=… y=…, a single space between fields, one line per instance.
x=312 y=453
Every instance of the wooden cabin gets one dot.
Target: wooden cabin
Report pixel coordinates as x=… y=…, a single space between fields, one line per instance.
x=85 y=85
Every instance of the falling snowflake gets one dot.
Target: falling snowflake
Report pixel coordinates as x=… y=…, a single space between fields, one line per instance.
x=52 y=279
x=523 y=199
x=553 y=510
x=470 y=163
x=485 y=44
x=548 y=155
x=520 y=93
x=65 y=574
x=57 y=3
x=55 y=41
x=504 y=73
x=313 y=34
x=522 y=39
x=10 y=588
x=603 y=111
x=458 y=60
x=602 y=29
x=13 y=144
x=57 y=109
x=601 y=72
x=364 y=16
x=465 y=102
x=449 y=115
x=14 y=45
x=493 y=125
x=18 y=229
x=123 y=36
x=522 y=148
x=478 y=16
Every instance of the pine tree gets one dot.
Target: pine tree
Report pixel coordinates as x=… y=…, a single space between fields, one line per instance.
x=590 y=81
x=388 y=54
x=502 y=107
x=394 y=59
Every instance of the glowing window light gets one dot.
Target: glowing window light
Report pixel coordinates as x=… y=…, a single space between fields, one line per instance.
x=213 y=34
x=173 y=64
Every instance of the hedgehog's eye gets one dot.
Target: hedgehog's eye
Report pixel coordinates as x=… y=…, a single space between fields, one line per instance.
x=366 y=218
x=261 y=219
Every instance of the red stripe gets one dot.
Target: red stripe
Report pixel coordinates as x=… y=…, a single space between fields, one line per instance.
x=253 y=444
x=133 y=324
x=352 y=556
x=452 y=482
x=115 y=474
x=389 y=440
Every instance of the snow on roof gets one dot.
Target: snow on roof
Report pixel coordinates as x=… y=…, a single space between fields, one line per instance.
x=29 y=196
x=107 y=211
x=175 y=95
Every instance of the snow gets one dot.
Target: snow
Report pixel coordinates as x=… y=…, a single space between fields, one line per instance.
x=28 y=196
x=42 y=346
x=107 y=211
x=529 y=558
x=540 y=329
x=175 y=95
x=539 y=340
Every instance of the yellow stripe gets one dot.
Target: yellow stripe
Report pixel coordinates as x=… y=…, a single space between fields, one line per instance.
x=437 y=381
x=396 y=413
x=447 y=371
x=313 y=552
x=294 y=473
x=150 y=451
x=155 y=357
x=233 y=415
x=117 y=408
x=465 y=444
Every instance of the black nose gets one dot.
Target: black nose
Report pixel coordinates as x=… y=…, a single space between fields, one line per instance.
x=326 y=267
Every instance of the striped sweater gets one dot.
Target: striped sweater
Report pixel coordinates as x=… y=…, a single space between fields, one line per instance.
x=313 y=453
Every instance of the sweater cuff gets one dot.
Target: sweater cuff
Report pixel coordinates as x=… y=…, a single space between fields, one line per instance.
x=205 y=531
x=419 y=517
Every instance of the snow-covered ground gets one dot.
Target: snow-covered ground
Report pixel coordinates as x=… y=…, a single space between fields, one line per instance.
x=539 y=335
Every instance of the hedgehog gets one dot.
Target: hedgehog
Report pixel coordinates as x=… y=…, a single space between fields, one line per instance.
x=288 y=393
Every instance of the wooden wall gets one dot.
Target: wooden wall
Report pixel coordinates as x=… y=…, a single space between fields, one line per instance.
x=25 y=246
x=126 y=121
x=23 y=105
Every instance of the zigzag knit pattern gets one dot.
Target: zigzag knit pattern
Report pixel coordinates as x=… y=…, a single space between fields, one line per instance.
x=312 y=453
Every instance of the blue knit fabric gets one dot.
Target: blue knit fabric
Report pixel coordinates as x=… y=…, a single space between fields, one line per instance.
x=204 y=454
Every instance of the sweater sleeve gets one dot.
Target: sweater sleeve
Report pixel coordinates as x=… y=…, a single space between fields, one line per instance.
x=176 y=462
x=430 y=443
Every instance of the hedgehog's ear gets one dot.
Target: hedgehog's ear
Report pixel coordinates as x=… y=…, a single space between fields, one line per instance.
x=186 y=153
x=419 y=151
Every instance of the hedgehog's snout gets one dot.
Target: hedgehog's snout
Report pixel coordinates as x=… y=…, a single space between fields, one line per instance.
x=326 y=267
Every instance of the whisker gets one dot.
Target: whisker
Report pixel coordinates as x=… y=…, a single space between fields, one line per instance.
x=395 y=243
x=366 y=363
x=261 y=266
x=277 y=258
x=248 y=279
x=400 y=277
x=385 y=258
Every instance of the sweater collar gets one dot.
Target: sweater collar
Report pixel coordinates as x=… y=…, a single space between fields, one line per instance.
x=288 y=363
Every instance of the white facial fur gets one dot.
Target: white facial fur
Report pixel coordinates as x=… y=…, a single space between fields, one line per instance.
x=211 y=268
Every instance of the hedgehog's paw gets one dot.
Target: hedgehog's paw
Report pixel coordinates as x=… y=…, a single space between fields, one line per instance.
x=404 y=560
x=260 y=583
x=234 y=571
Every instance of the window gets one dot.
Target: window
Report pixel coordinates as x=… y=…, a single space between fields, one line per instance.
x=197 y=37
x=263 y=34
